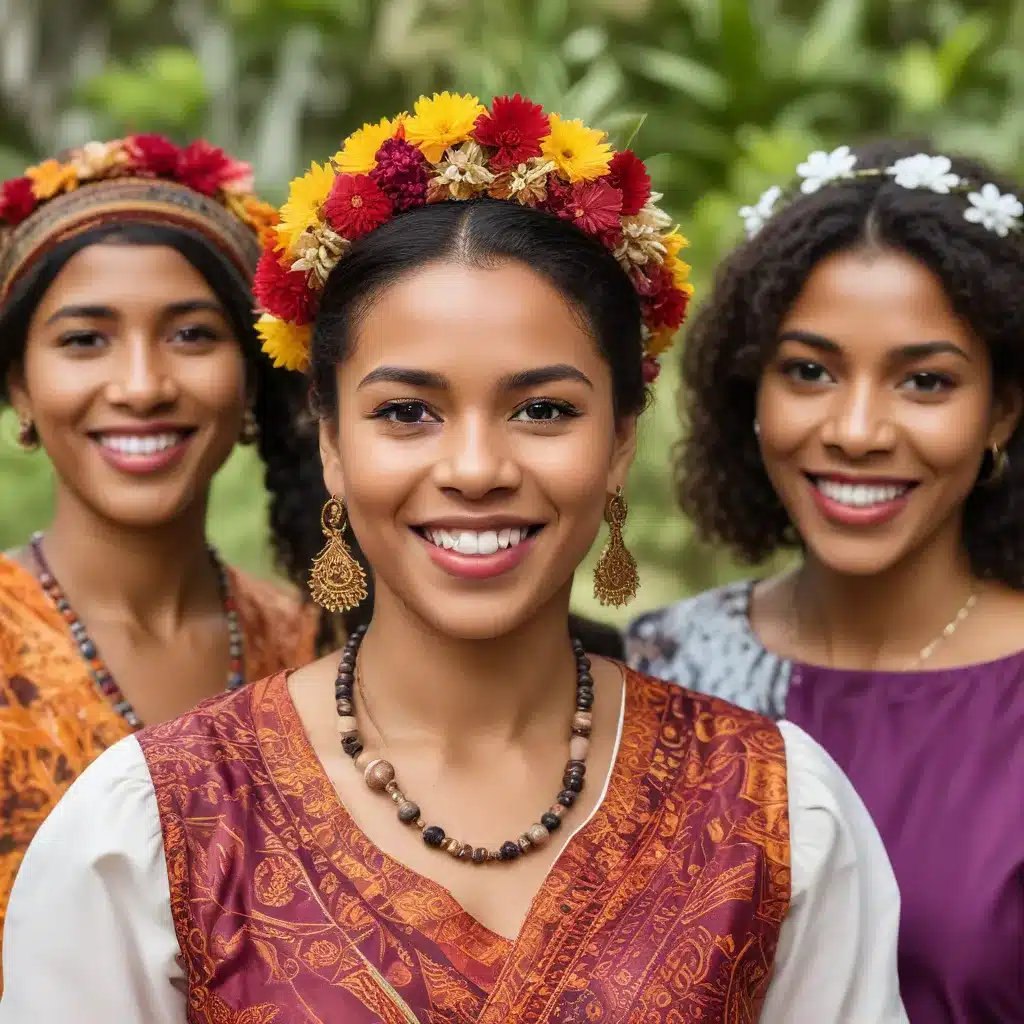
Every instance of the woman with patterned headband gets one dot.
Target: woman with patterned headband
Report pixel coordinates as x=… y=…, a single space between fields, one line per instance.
x=854 y=389
x=128 y=351
x=481 y=295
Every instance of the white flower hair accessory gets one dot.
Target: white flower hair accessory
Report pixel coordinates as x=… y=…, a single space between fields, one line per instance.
x=987 y=206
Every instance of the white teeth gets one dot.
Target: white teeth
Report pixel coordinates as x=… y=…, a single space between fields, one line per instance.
x=484 y=542
x=860 y=495
x=140 y=444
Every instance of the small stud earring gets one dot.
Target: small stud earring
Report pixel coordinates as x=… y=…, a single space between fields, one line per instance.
x=757 y=429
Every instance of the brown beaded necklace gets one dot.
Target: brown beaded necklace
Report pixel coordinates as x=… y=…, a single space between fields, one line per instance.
x=379 y=774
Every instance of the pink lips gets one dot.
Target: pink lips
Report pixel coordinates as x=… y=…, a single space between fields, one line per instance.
x=139 y=463
x=478 y=567
x=842 y=514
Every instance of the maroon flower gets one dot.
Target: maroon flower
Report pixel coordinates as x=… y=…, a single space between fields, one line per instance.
x=666 y=305
x=628 y=174
x=401 y=174
x=651 y=369
x=207 y=169
x=514 y=129
x=356 y=205
x=594 y=207
x=153 y=155
x=17 y=200
x=282 y=292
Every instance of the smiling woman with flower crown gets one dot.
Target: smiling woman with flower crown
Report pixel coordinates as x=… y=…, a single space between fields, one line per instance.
x=480 y=295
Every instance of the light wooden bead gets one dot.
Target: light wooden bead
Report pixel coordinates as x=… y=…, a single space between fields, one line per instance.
x=378 y=774
x=538 y=835
x=582 y=720
x=347 y=726
x=579 y=747
x=363 y=760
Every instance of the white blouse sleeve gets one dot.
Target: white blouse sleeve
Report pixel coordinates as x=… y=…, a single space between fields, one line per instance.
x=836 y=959
x=96 y=867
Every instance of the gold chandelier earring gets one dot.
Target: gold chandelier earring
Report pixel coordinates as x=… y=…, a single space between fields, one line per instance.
x=616 y=578
x=28 y=436
x=1000 y=464
x=337 y=581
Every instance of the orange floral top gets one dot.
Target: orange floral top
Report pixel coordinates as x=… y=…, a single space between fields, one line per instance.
x=54 y=721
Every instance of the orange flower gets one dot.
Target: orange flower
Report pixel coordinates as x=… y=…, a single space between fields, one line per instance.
x=52 y=177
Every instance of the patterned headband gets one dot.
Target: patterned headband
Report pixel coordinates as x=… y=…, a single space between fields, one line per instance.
x=986 y=206
x=142 y=178
x=454 y=148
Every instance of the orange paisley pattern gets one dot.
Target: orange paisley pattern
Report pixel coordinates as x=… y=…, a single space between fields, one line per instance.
x=54 y=722
x=664 y=908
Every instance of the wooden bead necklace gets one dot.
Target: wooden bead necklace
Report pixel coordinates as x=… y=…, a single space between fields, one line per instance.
x=379 y=774
x=87 y=648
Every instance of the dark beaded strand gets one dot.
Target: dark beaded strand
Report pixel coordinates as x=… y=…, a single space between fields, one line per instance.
x=380 y=775
x=87 y=648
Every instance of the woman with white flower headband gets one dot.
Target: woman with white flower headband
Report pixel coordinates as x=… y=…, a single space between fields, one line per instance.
x=481 y=295
x=854 y=390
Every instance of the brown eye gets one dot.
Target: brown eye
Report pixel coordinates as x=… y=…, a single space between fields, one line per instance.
x=545 y=412
x=806 y=371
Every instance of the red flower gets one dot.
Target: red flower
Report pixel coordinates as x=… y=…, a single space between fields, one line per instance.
x=628 y=174
x=651 y=369
x=666 y=305
x=514 y=128
x=208 y=169
x=282 y=292
x=594 y=207
x=154 y=155
x=401 y=174
x=17 y=200
x=356 y=205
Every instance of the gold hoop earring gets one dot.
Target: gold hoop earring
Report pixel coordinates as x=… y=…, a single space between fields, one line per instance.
x=337 y=582
x=616 y=578
x=250 y=432
x=1000 y=464
x=28 y=436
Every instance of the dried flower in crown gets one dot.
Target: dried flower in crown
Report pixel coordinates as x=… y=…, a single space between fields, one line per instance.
x=986 y=205
x=452 y=147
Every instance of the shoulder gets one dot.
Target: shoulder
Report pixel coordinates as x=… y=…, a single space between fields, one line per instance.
x=280 y=627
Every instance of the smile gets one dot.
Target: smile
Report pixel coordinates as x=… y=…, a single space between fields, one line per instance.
x=141 y=444
x=477 y=554
x=143 y=452
x=859 y=502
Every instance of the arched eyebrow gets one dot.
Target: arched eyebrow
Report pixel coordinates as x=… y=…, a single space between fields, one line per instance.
x=96 y=312
x=903 y=353
x=521 y=380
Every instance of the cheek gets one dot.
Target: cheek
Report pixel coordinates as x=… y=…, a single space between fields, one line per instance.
x=216 y=383
x=784 y=424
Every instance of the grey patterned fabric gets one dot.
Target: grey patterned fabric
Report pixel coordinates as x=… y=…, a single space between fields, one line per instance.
x=705 y=643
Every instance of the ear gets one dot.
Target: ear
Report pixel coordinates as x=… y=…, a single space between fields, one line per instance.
x=1006 y=415
x=18 y=392
x=330 y=456
x=623 y=453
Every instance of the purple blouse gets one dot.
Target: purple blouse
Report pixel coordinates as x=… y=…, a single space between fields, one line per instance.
x=938 y=759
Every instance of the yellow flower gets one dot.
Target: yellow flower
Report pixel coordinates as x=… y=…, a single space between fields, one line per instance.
x=440 y=122
x=674 y=243
x=302 y=210
x=287 y=345
x=52 y=177
x=580 y=153
x=358 y=155
x=659 y=342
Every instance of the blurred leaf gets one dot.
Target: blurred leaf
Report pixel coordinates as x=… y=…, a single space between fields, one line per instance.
x=959 y=48
x=588 y=98
x=585 y=44
x=834 y=29
x=918 y=78
x=697 y=81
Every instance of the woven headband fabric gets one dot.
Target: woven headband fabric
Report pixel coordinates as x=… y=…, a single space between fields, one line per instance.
x=139 y=200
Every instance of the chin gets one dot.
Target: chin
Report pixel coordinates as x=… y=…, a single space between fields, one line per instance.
x=862 y=558
x=142 y=511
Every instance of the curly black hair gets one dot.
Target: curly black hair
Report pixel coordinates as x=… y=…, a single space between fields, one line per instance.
x=721 y=482
x=276 y=395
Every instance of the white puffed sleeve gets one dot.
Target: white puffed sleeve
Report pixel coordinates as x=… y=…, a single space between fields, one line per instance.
x=89 y=936
x=836 y=960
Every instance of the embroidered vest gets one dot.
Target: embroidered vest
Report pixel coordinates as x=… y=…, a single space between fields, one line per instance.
x=666 y=906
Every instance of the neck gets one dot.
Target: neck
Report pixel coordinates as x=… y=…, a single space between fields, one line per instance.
x=422 y=686
x=151 y=576
x=862 y=621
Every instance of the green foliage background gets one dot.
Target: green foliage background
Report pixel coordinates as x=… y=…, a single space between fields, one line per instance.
x=735 y=93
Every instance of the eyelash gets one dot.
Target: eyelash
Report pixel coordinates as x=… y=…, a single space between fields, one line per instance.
x=87 y=339
x=387 y=411
x=792 y=370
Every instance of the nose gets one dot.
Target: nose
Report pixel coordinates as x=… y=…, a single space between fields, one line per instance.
x=859 y=423
x=142 y=381
x=476 y=459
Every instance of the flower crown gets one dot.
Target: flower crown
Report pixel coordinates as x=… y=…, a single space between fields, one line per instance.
x=987 y=206
x=200 y=166
x=453 y=148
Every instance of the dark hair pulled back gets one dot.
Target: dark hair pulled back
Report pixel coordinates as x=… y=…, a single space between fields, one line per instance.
x=721 y=481
x=277 y=395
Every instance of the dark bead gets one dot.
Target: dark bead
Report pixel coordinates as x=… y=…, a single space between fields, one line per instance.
x=509 y=851
x=585 y=733
x=582 y=666
x=575 y=764
x=550 y=821
x=584 y=701
x=479 y=855
x=574 y=773
x=584 y=679
x=577 y=645
x=408 y=813
x=574 y=783
x=344 y=677
x=567 y=798
x=433 y=835
x=88 y=649
x=62 y=605
x=352 y=746
x=342 y=692
x=348 y=662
